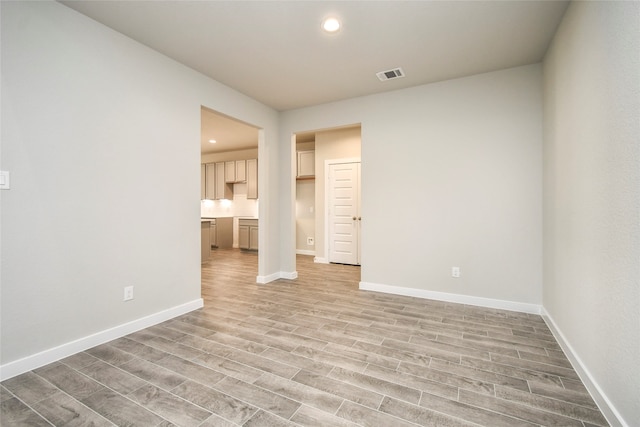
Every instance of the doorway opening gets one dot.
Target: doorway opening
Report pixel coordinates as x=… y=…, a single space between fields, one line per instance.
x=315 y=230
x=229 y=186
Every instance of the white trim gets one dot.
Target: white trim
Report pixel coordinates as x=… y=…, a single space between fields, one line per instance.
x=266 y=279
x=457 y=298
x=51 y=355
x=305 y=252
x=289 y=275
x=320 y=260
x=606 y=406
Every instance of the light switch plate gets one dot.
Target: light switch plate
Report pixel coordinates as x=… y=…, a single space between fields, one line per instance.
x=5 y=181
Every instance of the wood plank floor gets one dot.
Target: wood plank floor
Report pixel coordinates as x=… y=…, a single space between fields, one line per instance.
x=314 y=351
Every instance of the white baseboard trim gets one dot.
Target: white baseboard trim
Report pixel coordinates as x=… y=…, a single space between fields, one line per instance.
x=29 y=363
x=305 y=252
x=457 y=298
x=291 y=275
x=275 y=276
x=320 y=260
x=268 y=278
x=606 y=407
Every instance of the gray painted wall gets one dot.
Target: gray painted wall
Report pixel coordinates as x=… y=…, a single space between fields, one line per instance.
x=451 y=176
x=101 y=136
x=592 y=194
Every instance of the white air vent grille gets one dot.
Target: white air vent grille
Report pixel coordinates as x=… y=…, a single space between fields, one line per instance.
x=396 y=73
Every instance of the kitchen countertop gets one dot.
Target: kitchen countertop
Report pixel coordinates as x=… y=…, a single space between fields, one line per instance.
x=209 y=219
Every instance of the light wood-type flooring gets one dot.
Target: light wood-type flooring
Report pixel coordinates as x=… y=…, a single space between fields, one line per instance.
x=315 y=351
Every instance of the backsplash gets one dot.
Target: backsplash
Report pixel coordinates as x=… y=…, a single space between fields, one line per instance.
x=239 y=206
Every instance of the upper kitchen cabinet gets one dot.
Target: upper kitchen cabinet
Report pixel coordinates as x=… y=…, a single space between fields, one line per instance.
x=203 y=181
x=241 y=170
x=207 y=181
x=306 y=164
x=217 y=179
x=252 y=179
x=223 y=189
x=235 y=171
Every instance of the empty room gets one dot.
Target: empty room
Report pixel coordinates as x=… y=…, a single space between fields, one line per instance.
x=433 y=221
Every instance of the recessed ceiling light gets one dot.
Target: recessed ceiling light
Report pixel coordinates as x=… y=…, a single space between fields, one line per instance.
x=213 y=141
x=331 y=25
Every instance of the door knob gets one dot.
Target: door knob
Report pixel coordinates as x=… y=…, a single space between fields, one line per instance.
x=354 y=218
x=359 y=218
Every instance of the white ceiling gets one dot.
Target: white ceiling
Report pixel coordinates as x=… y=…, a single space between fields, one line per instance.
x=230 y=134
x=276 y=52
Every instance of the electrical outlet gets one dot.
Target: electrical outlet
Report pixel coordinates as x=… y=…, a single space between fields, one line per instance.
x=128 y=293
x=455 y=271
x=5 y=180
x=310 y=241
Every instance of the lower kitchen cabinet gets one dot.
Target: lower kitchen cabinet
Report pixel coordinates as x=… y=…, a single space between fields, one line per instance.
x=248 y=234
x=205 y=243
x=221 y=232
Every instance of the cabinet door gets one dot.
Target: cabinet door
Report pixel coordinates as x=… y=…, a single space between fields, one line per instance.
x=306 y=163
x=210 y=181
x=243 y=237
x=230 y=171
x=205 y=244
x=203 y=181
x=241 y=170
x=253 y=238
x=225 y=232
x=252 y=179
x=214 y=235
x=223 y=190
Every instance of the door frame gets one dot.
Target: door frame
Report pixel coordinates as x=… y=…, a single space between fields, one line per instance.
x=327 y=164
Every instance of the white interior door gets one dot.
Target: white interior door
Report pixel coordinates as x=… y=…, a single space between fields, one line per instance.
x=344 y=213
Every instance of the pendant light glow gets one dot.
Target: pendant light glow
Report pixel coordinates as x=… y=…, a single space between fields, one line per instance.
x=331 y=25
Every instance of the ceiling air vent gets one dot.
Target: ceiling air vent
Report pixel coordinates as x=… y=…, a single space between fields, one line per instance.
x=396 y=73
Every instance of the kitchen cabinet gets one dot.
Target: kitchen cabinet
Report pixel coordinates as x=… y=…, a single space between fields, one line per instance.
x=241 y=170
x=306 y=164
x=248 y=234
x=203 y=181
x=217 y=179
x=223 y=190
x=221 y=232
x=207 y=181
x=235 y=171
x=230 y=171
x=252 y=178
x=205 y=242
